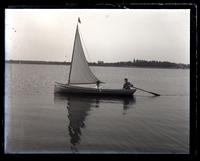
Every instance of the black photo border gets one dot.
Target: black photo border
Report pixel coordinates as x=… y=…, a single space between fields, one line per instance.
x=45 y=4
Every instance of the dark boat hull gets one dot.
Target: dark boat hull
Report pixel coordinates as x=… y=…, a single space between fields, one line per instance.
x=68 y=89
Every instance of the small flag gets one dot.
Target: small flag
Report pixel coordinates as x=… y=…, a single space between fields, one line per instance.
x=79 y=20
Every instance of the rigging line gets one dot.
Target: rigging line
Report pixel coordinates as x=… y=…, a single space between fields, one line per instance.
x=84 y=46
x=93 y=69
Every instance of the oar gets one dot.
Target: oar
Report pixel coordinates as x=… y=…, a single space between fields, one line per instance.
x=156 y=94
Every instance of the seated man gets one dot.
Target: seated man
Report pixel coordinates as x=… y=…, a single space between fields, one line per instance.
x=127 y=85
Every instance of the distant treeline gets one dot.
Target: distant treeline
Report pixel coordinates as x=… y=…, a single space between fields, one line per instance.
x=144 y=63
x=36 y=62
x=134 y=63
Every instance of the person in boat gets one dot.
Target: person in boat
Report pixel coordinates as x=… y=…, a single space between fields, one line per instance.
x=127 y=84
x=98 y=84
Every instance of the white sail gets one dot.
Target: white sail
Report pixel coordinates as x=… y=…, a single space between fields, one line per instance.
x=80 y=72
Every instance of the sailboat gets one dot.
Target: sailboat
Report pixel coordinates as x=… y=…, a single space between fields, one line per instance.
x=80 y=74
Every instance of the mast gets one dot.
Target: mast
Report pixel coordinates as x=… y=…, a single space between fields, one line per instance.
x=72 y=55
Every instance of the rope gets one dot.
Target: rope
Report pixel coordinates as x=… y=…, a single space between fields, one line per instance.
x=89 y=60
x=84 y=46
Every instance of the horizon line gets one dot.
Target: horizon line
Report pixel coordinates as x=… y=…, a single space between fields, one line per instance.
x=95 y=61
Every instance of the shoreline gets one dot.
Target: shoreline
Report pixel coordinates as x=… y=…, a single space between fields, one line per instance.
x=90 y=64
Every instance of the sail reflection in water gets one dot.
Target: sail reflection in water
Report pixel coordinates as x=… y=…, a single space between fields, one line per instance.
x=78 y=109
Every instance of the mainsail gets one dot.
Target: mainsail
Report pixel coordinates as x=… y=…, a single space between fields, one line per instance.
x=80 y=73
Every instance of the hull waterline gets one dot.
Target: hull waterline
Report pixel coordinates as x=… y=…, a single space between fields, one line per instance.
x=77 y=90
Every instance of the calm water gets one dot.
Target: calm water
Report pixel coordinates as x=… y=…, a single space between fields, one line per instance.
x=37 y=121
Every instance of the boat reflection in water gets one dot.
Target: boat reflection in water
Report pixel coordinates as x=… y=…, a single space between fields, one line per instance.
x=78 y=109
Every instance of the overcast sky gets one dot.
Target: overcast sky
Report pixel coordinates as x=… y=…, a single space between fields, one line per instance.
x=109 y=35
